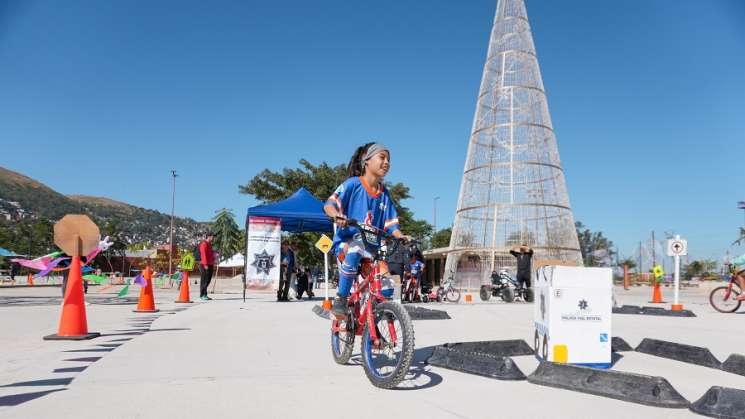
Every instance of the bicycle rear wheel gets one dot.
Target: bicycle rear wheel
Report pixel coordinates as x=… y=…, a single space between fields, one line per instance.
x=342 y=340
x=724 y=300
x=387 y=361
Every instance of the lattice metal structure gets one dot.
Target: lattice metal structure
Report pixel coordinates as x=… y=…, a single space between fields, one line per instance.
x=513 y=189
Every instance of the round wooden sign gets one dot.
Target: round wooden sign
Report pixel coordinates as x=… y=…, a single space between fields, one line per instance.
x=73 y=226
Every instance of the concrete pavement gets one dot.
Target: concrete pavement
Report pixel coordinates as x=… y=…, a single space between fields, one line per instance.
x=226 y=358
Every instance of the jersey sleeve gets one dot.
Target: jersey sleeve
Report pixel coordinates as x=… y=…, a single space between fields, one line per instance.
x=340 y=198
x=390 y=216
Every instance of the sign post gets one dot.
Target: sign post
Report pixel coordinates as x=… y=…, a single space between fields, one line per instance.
x=676 y=248
x=324 y=245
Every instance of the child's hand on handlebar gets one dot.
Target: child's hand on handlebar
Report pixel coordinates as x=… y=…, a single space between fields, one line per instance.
x=341 y=221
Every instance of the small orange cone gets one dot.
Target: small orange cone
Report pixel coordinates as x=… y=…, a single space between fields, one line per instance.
x=30 y=280
x=147 y=301
x=468 y=298
x=657 y=294
x=184 y=295
x=677 y=307
x=73 y=323
x=327 y=305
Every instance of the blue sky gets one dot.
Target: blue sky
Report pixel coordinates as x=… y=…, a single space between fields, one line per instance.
x=647 y=99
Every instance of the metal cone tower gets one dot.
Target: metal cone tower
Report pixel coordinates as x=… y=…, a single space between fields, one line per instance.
x=513 y=190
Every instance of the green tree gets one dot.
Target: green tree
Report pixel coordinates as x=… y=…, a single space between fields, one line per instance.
x=442 y=238
x=695 y=268
x=321 y=181
x=596 y=249
x=227 y=234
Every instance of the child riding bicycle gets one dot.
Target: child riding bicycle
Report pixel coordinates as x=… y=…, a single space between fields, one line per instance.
x=361 y=197
x=413 y=273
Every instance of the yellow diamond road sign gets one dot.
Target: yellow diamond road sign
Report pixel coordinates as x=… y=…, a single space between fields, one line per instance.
x=187 y=262
x=324 y=243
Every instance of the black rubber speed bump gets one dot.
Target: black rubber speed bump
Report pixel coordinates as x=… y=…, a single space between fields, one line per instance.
x=735 y=364
x=320 y=312
x=624 y=309
x=679 y=352
x=515 y=347
x=652 y=311
x=626 y=386
x=721 y=402
x=499 y=367
x=617 y=344
x=421 y=313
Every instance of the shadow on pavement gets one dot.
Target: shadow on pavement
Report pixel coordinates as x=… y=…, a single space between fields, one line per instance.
x=86 y=359
x=71 y=369
x=418 y=370
x=16 y=399
x=39 y=383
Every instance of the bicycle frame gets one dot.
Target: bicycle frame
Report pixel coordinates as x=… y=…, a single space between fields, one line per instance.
x=731 y=284
x=366 y=293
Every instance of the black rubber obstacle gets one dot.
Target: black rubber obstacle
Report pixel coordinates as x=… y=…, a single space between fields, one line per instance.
x=679 y=352
x=499 y=367
x=619 y=345
x=421 y=313
x=515 y=347
x=652 y=311
x=734 y=364
x=320 y=312
x=721 y=402
x=635 y=388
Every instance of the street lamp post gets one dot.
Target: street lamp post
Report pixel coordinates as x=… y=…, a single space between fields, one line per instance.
x=434 y=217
x=173 y=206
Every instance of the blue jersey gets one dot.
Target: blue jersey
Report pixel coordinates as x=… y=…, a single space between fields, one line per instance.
x=416 y=268
x=355 y=199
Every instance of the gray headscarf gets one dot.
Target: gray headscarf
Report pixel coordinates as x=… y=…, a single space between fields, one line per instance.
x=373 y=150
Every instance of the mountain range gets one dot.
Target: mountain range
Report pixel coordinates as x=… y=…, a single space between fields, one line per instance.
x=25 y=199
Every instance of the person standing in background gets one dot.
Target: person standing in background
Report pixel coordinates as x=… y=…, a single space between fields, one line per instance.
x=206 y=265
x=285 y=272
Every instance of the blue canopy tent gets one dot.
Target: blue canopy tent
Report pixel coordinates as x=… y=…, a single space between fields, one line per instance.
x=301 y=212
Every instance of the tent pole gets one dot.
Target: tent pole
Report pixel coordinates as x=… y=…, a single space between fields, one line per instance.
x=326 y=274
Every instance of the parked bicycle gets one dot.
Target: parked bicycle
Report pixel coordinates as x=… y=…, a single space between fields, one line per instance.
x=724 y=298
x=384 y=326
x=448 y=291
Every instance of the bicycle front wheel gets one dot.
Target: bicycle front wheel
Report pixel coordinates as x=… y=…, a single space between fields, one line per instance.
x=387 y=360
x=724 y=299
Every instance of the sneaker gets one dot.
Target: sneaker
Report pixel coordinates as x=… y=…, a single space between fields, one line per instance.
x=339 y=308
x=207 y=297
x=204 y=298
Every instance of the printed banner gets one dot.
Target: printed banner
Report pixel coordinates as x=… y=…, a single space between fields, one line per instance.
x=263 y=252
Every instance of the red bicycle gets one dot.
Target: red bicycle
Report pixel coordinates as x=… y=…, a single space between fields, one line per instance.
x=724 y=298
x=384 y=326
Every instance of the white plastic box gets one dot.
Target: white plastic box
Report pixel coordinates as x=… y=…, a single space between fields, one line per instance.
x=572 y=313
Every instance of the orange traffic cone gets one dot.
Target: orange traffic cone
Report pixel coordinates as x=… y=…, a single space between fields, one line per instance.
x=73 y=323
x=30 y=280
x=657 y=294
x=184 y=295
x=147 y=301
x=326 y=305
